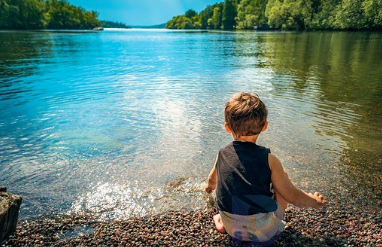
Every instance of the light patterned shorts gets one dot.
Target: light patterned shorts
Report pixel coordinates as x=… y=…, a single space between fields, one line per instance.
x=261 y=227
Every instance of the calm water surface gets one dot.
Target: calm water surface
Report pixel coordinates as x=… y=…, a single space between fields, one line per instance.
x=123 y=123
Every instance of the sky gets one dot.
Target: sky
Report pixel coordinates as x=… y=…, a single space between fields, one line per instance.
x=142 y=12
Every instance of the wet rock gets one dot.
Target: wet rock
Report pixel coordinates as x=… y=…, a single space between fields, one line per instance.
x=9 y=213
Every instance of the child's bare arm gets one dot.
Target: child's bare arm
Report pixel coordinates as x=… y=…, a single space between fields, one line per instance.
x=289 y=191
x=212 y=179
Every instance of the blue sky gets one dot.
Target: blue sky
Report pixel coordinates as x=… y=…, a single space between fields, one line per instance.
x=142 y=12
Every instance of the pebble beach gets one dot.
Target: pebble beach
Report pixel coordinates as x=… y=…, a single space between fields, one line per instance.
x=329 y=226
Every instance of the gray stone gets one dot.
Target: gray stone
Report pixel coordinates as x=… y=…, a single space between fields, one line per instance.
x=9 y=213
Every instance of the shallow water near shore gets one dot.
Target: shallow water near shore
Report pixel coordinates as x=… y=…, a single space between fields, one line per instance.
x=128 y=123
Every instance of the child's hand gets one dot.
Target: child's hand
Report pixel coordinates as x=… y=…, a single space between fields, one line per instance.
x=320 y=202
x=209 y=188
x=212 y=179
x=211 y=185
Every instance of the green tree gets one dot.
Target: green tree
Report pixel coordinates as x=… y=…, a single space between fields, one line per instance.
x=324 y=17
x=61 y=15
x=228 y=15
x=350 y=15
x=4 y=14
x=182 y=22
x=205 y=15
x=251 y=13
x=31 y=13
x=215 y=22
x=190 y=13
x=290 y=14
x=25 y=14
x=373 y=13
x=203 y=19
x=190 y=20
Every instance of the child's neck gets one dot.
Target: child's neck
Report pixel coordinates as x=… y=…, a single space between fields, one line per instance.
x=252 y=139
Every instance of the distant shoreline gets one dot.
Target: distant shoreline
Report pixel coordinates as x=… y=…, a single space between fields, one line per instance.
x=159 y=26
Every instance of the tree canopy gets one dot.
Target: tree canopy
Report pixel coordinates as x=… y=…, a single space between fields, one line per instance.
x=40 y=14
x=285 y=14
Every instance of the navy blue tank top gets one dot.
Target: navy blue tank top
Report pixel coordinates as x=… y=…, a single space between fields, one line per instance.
x=244 y=179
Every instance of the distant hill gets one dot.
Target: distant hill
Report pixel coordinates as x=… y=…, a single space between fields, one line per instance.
x=112 y=24
x=163 y=25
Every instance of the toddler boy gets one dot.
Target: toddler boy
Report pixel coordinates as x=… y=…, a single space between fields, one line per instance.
x=252 y=188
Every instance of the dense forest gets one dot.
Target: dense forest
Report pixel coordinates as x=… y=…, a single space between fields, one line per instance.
x=284 y=14
x=40 y=14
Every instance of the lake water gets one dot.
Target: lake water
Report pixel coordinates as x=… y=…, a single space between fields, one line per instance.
x=123 y=123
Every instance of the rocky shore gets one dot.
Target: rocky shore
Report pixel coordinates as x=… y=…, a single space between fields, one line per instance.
x=327 y=227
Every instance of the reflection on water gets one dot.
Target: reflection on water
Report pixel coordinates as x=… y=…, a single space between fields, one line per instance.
x=129 y=123
x=339 y=75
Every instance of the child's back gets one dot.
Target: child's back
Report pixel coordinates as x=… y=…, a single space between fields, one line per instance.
x=243 y=169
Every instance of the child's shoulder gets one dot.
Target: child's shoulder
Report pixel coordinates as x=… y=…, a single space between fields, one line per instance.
x=227 y=146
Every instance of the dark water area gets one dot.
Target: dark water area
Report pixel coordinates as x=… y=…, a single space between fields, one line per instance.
x=123 y=123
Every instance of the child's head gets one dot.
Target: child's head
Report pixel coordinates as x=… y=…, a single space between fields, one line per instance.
x=245 y=114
